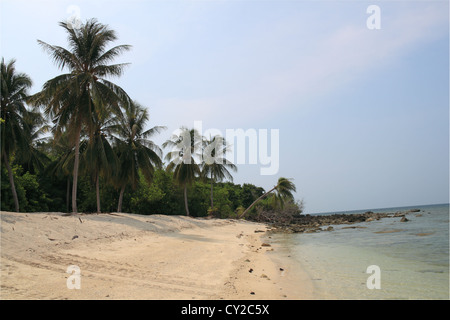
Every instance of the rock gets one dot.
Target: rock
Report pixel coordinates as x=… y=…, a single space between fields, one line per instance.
x=403 y=219
x=354 y=227
x=330 y=228
x=265 y=245
x=314 y=223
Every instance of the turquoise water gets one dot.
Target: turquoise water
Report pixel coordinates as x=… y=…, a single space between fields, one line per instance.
x=412 y=256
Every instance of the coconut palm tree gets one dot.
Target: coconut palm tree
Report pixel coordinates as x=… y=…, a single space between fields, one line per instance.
x=72 y=98
x=99 y=158
x=215 y=164
x=283 y=188
x=184 y=158
x=136 y=152
x=14 y=130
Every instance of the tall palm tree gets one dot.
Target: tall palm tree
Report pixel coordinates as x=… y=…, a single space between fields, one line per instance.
x=283 y=188
x=183 y=158
x=136 y=152
x=71 y=99
x=215 y=164
x=14 y=130
x=99 y=158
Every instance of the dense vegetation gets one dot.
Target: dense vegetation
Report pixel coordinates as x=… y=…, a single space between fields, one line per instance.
x=81 y=145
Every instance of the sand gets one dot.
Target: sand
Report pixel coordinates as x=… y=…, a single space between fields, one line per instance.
x=128 y=256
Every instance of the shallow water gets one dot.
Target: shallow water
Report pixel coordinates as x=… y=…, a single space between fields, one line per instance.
x=412 y=256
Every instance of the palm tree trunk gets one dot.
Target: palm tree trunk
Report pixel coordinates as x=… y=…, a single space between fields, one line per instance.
x=68 y=194
x=75 y=170
x=212 y=202
x=11 y=182
x=254 y=202
x=119 y=206
x=97 y=191
x=185 y=200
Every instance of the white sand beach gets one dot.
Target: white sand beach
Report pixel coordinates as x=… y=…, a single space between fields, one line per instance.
x=128 y=256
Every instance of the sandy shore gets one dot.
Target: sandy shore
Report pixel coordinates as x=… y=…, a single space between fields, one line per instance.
x=127 y=256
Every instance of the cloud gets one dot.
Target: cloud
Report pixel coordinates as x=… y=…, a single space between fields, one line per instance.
x=353 y=51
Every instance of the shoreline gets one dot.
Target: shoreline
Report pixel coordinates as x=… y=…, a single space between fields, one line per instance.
x=315 y=223
x=129 y=256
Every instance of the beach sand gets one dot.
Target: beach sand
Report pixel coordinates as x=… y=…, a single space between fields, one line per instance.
x=128 y=256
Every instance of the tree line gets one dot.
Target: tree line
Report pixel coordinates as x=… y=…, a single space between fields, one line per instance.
x=81 y=144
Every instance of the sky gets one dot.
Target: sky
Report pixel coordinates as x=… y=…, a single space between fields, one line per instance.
x=361 y=113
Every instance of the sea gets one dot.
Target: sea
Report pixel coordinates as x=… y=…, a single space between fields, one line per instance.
x=383 y=259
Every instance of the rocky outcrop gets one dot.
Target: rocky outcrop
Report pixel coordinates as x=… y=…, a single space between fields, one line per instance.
x=315 y=223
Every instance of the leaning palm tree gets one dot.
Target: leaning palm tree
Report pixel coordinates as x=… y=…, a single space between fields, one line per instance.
x=284 y=189
x=14 y=130
x=136 y=152
x=71 y=99
x=183 y=158
x=215 y=164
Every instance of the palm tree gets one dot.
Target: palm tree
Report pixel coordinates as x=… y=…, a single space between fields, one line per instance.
x=215 y=164
x=62 y=166
x=14 y=130
x=71 y=99
x=136 y=152
x=284 y=189
x=99 y=157
x=183 y=159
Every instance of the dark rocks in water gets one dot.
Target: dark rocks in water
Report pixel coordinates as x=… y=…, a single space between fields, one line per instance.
x=312 y=223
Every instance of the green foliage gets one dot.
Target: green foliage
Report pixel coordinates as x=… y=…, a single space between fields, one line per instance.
x=48 y=192
x=222 y=203
x=31 y=196
x=145 y=196
x=37 y=200
x=100 y=135
x=250 y=193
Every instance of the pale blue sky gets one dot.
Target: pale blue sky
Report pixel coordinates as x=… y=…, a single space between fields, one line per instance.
x=363 y=114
